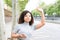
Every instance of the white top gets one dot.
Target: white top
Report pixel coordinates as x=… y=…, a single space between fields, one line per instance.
x=24 y=28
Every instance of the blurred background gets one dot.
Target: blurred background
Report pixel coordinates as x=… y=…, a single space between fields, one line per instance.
x=10 y=11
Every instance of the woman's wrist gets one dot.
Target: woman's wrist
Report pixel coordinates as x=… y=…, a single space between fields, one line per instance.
x=22 y=36
x=17 y=35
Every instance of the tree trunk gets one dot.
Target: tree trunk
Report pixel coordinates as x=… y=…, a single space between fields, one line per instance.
x=14 y=12
x=2 y=22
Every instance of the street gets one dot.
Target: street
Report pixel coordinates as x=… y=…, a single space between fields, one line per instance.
x=48 y=32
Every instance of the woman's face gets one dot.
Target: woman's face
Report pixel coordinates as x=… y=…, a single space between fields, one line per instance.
x=27 y=17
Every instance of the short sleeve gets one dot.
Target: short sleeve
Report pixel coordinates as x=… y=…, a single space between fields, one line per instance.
x=34 y=25
x=16 y=28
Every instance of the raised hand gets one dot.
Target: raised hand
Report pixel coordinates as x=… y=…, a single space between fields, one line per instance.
x=40 y=9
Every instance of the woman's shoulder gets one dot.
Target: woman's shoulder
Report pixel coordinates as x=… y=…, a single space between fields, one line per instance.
x=18 y=25
x=35 y=23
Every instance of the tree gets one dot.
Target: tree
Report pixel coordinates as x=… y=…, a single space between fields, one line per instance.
x=50 y=9
x=2 y=22
x=21 y=4
x=57 y=7
x=8 y=2
x=35 y=13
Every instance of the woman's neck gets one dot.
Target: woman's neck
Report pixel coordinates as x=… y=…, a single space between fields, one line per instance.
x=26 y=23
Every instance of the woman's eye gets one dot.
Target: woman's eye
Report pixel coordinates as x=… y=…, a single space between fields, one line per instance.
x=25 y=16
x=29 y=16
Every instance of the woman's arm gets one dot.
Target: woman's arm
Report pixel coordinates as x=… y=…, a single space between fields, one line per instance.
x=18 y=35
x=42 y=22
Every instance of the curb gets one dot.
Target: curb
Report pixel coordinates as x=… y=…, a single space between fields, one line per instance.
x=53 y=21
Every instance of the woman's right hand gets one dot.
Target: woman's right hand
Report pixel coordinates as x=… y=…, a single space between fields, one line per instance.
x=18 y=35
x=22 y=36
x=40 y=9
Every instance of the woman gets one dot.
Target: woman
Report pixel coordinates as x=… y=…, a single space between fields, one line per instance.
x=26 y=25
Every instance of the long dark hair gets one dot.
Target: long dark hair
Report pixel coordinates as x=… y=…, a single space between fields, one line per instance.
x=21 y=18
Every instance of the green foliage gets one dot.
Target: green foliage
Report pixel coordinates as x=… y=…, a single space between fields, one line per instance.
x=21 y=3
x=57 y=5
x=50 y=9
x=35 y=13
x=8 y=2
x=42 y=4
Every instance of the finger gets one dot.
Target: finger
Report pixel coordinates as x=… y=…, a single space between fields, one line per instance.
x=23 y=35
